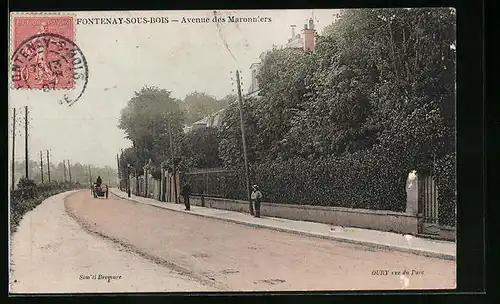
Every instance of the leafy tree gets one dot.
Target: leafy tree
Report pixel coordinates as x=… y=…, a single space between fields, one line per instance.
x=226 y=100
x=198 y=105
x=375 y=99
x=231 y=145
x=282 y=79
x=201 y=147
x=151 y=118
x=79 y=172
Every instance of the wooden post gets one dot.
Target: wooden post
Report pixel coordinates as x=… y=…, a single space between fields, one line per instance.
x=161 y=185
x=48 y=165
x=26 y=140
x=64 y=168
x=69 y=171
x=173 y=162
x=41 y=164
x=240 y=101
x=13 y=149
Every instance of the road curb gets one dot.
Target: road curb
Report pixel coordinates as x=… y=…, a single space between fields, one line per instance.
x=415 y=251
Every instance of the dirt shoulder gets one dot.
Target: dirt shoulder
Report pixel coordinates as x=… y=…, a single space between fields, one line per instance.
x=52 y=253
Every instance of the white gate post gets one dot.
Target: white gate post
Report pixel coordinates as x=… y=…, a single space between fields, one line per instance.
x=412 y=193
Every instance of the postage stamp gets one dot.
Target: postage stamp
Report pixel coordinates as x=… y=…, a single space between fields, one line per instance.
x=45 y=57
x=42 y=52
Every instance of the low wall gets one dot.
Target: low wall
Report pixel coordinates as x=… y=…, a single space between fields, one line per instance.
x=360 y=218
x=447 y=233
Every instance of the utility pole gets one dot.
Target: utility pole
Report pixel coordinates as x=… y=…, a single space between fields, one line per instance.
x=90 y=175
x=87 y=177
x=69 y=171
x=173 y=159
x=13 y=148
x=64 y=168
x=244 y=140
x=48 y=165
x=136 y=168
x=41 y=164
x=26 y=139
x=128 y=180
x=119 y=175
x=144 y=172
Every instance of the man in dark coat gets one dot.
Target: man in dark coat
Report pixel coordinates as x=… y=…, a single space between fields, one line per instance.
x=186 y=191
x=99 y=181
x=256 y=198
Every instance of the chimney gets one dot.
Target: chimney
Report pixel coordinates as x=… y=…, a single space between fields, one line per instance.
x=293 y=30
x=311 y=24
x=309 y=36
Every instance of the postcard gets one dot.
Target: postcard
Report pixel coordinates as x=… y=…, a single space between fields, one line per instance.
x=232 y=150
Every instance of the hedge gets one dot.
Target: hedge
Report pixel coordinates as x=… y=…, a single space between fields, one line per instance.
x=445 y=174
x=365 y=180
x=30 y=195
x=352 y=181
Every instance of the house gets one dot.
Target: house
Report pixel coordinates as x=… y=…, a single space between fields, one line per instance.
x=305 y=41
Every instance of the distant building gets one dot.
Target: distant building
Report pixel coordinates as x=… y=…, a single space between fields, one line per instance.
x=211 y=121
x=305 y=41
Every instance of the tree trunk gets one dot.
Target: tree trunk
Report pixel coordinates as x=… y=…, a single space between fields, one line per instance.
x=393 y=53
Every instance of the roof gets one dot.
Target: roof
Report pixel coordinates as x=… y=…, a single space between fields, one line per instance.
x=213 y=120
x=255 y=64
x=295 y=43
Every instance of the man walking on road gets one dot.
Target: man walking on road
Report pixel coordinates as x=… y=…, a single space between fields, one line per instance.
x=256 y=198
x=186 y=191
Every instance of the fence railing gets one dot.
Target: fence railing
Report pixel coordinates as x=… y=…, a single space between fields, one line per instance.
x=215 y=183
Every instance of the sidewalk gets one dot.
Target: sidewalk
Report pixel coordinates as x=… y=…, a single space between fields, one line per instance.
x=366 y=237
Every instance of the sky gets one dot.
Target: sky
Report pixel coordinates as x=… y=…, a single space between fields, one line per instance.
x=121 y=59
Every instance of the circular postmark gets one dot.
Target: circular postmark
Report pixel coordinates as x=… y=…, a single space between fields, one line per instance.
x=50 y=62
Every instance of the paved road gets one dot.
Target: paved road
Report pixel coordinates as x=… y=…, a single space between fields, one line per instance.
x=229 y=256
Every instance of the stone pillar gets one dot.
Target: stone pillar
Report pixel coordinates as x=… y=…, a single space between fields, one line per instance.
x=412 y=193
x=161 y=185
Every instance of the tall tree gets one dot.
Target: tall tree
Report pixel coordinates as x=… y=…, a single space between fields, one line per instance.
x=201 y=148
x=282 y=79
x=148 y=120
x=198 y=105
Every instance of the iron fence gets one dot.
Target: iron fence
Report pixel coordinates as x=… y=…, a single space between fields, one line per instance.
x=216 y=183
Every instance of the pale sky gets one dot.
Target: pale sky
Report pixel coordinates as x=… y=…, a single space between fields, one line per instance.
x=123 y=58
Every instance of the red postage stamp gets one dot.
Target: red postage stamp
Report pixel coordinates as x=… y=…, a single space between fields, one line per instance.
x=41 y=55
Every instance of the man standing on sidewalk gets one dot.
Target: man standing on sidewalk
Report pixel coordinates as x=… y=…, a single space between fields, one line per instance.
x=256 y=198
x=186 y=191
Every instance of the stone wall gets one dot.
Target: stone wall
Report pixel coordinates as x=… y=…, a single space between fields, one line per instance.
x=360 y=218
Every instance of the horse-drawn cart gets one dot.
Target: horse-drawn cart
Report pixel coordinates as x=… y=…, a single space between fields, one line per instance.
x=100 y=191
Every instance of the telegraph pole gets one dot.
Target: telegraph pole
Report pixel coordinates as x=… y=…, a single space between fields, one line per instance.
x=90 y=175
x=41 y=164
x=173 y=160
x=244 y=140
x=26 y=139
x=64 y=167
x=119 y=175
x=69 y=171
x=13 y=148
x=48 y=165
x=136 y=168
